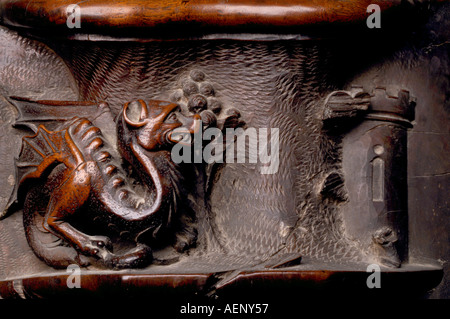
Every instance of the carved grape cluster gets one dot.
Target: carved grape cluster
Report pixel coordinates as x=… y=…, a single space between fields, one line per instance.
x=198 y=96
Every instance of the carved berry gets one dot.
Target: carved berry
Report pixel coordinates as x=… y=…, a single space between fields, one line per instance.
x=197 y=103
x=190 y=88
x=207 y=89
x=197 y=75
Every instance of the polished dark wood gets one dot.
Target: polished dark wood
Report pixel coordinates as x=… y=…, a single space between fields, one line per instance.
x=279 y=288
x=244 y=15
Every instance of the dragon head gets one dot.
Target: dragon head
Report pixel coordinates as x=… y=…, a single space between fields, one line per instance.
x=156 y=125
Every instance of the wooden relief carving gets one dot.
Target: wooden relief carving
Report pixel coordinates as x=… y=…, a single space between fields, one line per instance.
x=210 y=163
x=72 y=175
x=376 y=154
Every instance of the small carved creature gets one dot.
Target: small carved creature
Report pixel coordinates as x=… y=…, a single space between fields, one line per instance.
x=77 y=175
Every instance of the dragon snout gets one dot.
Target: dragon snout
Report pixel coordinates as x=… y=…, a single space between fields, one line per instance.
x=182 y=134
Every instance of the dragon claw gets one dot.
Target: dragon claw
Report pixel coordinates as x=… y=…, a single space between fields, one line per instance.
x=99 y=246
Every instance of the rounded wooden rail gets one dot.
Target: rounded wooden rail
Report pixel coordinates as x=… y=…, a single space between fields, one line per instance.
x=110 y=16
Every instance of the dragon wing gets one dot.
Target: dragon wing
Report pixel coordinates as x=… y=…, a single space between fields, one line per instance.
x=49 y=139
x=50 y=113
x=30 y=162
x=27 y=68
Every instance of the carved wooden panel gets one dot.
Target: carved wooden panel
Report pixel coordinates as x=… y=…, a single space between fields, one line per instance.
x=214 y=163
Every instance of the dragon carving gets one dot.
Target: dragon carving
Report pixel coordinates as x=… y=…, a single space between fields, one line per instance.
x=72 y=174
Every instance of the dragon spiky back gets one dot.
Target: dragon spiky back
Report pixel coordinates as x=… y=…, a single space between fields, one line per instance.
x=77 y=142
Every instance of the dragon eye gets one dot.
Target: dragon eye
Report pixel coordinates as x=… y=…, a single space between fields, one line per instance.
x=171 y=118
